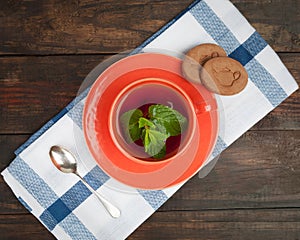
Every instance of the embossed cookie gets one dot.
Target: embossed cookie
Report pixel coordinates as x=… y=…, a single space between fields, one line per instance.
x=224 y=76
x=196 y=57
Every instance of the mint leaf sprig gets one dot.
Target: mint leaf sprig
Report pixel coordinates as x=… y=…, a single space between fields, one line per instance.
x=154 y=129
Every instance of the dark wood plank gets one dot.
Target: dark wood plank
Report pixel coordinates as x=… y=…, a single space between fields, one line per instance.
x=35 y=27
x=273 y=224
x=284 y=117
x=260 y=170
x=253 y=192
x=72 y=27
x=34 y=89
x=276 y=21
x=24 y=226
x=287 y=115
x=8 y=144
x=8 y=201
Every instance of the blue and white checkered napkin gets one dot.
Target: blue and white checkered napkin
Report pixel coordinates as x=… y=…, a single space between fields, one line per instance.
x=67 y=208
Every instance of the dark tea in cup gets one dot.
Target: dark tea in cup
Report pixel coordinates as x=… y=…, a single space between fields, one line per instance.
x=141 y=97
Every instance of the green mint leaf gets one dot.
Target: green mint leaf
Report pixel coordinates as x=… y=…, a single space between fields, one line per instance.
x=154 y=132
x=154 y=142
x=130 y=125
x=161 y=154
x=143 y=122
x=173 y=121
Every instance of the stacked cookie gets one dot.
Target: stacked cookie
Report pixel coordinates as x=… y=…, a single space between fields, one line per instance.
x=209 y=65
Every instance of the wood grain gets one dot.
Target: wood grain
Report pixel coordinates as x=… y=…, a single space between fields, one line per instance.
x=267 y=224
x=35 y=89
x=48 y=47
x=74 y=27
x=255 y=172
x=24 y=226
x=8 y=144
x=232 y=224
x=260 y=170
x=276 y=21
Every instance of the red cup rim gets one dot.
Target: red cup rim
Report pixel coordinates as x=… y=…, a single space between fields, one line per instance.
x=186 y=142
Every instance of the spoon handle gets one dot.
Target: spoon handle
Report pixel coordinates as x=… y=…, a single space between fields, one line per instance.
x=113 y=211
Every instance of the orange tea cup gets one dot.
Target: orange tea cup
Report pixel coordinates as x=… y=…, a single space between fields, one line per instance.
x=134 y=82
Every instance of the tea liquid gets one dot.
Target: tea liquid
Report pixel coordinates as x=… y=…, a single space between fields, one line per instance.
x=141 y=96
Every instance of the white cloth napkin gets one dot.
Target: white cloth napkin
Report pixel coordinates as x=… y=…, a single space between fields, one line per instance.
x=67 y=208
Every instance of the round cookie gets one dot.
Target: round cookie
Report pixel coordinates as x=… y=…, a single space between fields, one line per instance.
x=224 y=76
x=196 y=57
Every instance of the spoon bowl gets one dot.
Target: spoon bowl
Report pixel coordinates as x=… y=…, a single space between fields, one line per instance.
x=66 y=162
x=63 y=160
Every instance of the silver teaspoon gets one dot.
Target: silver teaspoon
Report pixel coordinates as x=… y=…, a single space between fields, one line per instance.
x=65 y=161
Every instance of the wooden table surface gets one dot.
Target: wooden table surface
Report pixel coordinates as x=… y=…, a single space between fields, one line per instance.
x=48 y=47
